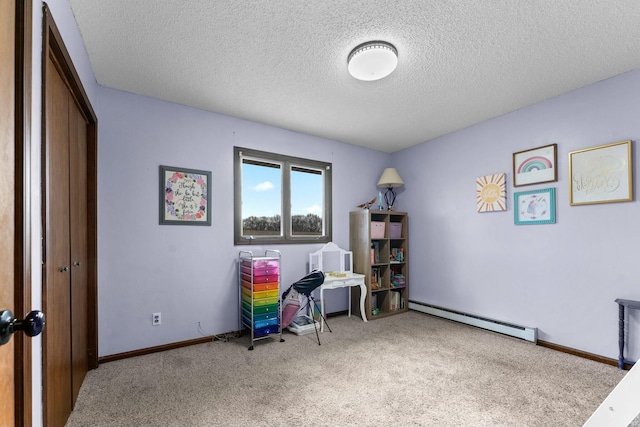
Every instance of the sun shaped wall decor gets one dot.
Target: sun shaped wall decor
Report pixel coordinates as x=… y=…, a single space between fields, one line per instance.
x=491 y=193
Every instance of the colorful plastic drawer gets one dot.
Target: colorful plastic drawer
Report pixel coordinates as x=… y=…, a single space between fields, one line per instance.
x=271 y=271
x=266 y=316
x=264 y=323
x=260 y=279
x=262 y=328
x=260 y=323
x=265 y=301
x=272 y=308
x=261 y=263
x=260 y=316
x=266 y=294
x=263 y=332
x=246 y=322
x=262 y=294
x=246 y=297
x=246 y=306
x=261 y=286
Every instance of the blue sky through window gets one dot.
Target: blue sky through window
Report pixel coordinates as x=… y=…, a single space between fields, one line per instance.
x=262 y=190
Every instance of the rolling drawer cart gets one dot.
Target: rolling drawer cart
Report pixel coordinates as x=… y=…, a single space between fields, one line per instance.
x=259 y=290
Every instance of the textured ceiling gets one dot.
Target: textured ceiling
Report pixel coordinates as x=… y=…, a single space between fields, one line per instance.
x=284 y=62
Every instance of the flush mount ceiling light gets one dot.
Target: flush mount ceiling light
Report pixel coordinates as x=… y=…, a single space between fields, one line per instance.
x=372 y=60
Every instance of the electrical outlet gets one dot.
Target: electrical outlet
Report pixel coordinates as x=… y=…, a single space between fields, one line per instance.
x=156 y=319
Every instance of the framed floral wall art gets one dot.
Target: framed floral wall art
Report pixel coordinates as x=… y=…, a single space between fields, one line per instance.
x=184 y=196
x=491 y=193
x=601 y=174
x=535 y=165
x=535 y=206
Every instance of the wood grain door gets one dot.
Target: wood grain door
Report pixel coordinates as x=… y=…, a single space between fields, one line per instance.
x=78 y=218
x=69 y=201
x=7 y=202
x=57 y=292
x=15 y=229
x=66 y=341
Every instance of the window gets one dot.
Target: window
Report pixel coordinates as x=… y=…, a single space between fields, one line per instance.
x=280 y=199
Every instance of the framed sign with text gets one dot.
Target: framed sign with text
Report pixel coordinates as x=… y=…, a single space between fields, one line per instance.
x=601 y=174
x=184 y=196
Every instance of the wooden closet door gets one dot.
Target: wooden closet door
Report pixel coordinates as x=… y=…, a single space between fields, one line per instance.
x=70 y=229
x=7 y=203
x=57 y=294
x=79 y=256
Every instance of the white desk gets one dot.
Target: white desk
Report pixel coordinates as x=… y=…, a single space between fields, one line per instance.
x=333 y=282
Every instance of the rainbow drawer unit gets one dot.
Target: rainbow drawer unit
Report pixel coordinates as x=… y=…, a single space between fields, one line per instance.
x=259 y=292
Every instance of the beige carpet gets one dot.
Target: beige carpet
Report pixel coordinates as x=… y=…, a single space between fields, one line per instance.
x=406 y=370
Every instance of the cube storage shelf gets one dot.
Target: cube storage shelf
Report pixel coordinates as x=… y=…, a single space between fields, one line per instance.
x=378 y=240
x=259 y=289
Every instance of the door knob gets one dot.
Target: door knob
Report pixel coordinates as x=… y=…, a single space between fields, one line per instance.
x=63 y=269
x=31 y=325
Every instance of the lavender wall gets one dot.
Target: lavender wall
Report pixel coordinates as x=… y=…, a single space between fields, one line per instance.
x=562 y=278
x=189 y=273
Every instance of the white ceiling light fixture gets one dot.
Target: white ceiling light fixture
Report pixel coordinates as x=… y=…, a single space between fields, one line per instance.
x=372 y=60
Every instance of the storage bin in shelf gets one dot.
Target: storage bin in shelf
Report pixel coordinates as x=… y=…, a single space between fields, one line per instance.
x=395 y=230
x=377 y=229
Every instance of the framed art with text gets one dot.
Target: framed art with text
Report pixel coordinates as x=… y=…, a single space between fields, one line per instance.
x=535 y=206
x=491 y=193
x=535 y=166
x=184 y=196
x=601 y=174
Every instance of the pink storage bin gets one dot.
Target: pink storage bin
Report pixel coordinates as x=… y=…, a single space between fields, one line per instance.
x=377 y=230
x=260 y=279
x=260 y=263
x=269 y=271
x=395 y=230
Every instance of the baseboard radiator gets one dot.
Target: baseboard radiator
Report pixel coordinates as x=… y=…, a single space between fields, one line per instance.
x=522 y=332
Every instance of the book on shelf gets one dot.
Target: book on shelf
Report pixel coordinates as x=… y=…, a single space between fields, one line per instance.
x=397 y=255
x=376 y=278
x=375 y=252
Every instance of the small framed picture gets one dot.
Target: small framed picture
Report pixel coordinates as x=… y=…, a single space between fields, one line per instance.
x=535 y=206
x=184 y=196
x=491 y=193
x=535 y=165
x=601 y=174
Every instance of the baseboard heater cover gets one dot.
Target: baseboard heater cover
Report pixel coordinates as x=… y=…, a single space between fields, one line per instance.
x=522 y=332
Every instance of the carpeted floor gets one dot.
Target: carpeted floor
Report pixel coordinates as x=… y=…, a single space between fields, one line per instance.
x=406 y=370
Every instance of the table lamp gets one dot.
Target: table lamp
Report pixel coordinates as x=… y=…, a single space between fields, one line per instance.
x=390 y=180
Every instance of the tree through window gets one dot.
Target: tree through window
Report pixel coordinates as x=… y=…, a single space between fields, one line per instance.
x=281 y=199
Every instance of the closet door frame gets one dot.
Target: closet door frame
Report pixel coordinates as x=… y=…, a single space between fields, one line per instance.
x=53 y=47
